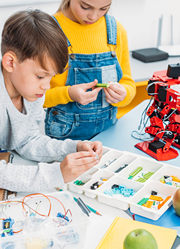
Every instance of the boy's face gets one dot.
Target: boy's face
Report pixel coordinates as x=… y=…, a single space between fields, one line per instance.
x=87 y=12
x=29 y=80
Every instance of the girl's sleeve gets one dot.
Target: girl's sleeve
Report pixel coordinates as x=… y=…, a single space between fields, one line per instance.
x=124 y=61
x=31 y=178
x=58 y=93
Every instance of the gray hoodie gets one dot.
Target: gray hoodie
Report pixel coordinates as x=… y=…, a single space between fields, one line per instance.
x=20 y=132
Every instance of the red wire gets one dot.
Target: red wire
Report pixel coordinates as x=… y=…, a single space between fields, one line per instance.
x=63 y=208
x=58 y=201
x=70 y=213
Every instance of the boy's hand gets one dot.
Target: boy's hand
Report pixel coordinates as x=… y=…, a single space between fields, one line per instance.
x=76 y=164
x=95 y=146
x=79 y=92
x=115 y=93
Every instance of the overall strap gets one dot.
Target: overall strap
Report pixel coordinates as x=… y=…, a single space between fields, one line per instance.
x=68 y=42
x=111 y=30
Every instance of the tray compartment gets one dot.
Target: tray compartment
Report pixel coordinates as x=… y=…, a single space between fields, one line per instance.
x=103 y=174
x=117 y=200
x=76 y=188
x=92 y=193
x=167 y=170
x=91 y=171
x=162 y=190
x=108 y=159
x=146 y=165
x=125 y=159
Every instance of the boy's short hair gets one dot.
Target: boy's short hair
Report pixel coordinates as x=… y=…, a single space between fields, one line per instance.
x=33 y=34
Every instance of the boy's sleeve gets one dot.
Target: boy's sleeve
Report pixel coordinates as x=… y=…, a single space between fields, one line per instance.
x=38 y=147
x=30 y=178
x=42 y=148
x=124 y=61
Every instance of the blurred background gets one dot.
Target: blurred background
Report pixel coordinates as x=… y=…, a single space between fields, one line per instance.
x=139 y=17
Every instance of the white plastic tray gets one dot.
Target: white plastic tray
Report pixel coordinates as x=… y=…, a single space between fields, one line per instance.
x=142 y=189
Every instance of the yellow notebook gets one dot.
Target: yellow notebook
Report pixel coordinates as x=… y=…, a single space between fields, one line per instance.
x=120 y=227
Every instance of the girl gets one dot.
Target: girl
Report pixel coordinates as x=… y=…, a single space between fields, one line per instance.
x=98 y=52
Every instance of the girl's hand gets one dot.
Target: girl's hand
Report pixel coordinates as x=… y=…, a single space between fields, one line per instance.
x=115 y=93
x=79 y=92
x=76 y=164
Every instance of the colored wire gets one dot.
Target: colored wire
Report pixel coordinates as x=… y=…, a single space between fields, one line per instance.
x=65 y=212
x=70 y=213
x=24 y=203
x=169 y=115
x=142 y=125
x=59 y=202
x=18 y=231
x=35 y=210
x=6 y=203
x=153 y=83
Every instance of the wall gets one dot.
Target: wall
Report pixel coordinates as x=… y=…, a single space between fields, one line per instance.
x=139 y=17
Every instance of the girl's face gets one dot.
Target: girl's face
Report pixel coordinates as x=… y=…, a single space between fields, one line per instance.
x=87 y=12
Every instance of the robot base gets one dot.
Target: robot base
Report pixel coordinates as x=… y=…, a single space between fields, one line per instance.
x=159 y=154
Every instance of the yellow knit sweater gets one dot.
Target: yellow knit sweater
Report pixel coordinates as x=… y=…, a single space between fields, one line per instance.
x=90 y=39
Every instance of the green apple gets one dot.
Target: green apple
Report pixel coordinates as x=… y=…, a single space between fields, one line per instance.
x=176 y=202
x=140 y=239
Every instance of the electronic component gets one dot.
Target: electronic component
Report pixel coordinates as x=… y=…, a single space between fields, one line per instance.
x=108 y=163
x=173 y=71
x=7 y=227
x=103 y=85
x=7 y=223
x=63 y=216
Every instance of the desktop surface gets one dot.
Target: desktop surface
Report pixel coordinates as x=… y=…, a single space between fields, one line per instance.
x=117 y=137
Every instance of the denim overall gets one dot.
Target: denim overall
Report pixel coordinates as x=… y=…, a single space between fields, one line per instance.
x=76 y=121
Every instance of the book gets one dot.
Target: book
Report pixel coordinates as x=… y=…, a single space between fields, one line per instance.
x=121 y=227
x=4 y=194
x=8 y=157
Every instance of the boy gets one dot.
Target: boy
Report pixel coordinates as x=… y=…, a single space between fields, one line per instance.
x=33 y=50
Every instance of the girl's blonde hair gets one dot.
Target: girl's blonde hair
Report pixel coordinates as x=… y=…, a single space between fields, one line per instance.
x=64 y=5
